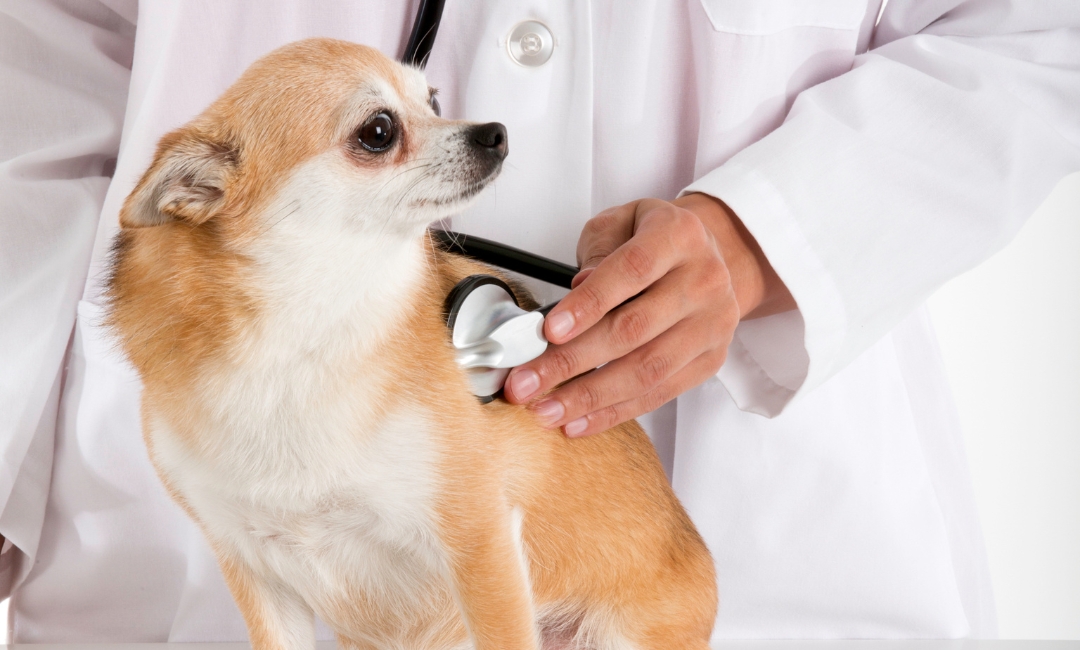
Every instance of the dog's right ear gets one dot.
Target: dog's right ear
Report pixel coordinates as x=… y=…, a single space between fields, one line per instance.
x=187 y=181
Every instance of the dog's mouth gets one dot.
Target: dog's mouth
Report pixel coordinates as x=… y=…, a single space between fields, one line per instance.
x=466 y=194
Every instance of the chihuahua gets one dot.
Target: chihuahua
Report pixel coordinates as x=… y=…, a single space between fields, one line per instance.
x=274 y=285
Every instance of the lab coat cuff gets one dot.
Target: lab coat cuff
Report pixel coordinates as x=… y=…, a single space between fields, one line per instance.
x=772 y=360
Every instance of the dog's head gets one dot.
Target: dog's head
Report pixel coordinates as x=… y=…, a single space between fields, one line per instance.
x=329 y=130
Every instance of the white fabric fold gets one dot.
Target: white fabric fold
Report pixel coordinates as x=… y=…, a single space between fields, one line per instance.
x=64 y=68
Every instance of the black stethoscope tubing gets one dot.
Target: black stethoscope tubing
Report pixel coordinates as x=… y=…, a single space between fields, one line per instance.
x=506 y=257
x=425 y=28
x=422 y=38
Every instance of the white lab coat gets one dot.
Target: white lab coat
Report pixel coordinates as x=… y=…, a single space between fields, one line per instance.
x=823 y=466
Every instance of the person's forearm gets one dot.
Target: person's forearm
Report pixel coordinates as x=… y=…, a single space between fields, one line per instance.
x=759 y=291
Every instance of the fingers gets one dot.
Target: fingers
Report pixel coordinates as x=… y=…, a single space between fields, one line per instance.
x=618 y=333
x=663 y=237
x=686 y=378
x=639 y=373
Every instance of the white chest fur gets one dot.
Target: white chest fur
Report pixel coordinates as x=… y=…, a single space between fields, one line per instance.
x=330 y=520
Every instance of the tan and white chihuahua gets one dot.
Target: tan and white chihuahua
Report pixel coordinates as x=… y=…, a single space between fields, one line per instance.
x=273 y=285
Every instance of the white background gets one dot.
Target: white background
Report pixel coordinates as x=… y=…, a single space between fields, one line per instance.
x=1010 y=336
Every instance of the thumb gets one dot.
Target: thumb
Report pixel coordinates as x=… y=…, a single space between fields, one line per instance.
x=581 y=275
x=602 y=235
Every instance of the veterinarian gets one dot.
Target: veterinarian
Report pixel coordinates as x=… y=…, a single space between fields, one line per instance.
x=832 y=170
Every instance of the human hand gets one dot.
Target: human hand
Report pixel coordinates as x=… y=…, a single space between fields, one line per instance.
x=698 y=272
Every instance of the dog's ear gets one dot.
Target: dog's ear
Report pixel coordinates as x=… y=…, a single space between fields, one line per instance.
x=187 y=181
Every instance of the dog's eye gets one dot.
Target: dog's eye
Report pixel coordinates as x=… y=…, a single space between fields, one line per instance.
x=378 y=133
x=434 y=101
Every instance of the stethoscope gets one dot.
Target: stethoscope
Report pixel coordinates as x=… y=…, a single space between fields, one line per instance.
x=489 y=330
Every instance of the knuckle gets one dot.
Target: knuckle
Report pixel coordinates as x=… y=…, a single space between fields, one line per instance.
x=590 y=398
x=733 y=319
x=654 y=369
x=683 y=218
x=639 y=261
x=728 y=321
x=656 y=398
x=714 y=275
x=629 y=326
x=692 y=227
x=563 y=362
x=591 y=299
x=714 y=268
x=716 y=359
x=605 y=418
x=653 y=210
x=696 y=237
x=681 y=223
x=600 y=224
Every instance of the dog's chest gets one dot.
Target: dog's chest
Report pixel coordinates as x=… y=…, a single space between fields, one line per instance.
x=320 y=507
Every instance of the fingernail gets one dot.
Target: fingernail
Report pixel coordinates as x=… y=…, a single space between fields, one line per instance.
x=560 y=324
x=549 y=411
x=576 y=427
x=523 y=383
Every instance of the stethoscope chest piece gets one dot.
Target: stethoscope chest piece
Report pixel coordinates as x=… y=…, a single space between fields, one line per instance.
x=491 y=333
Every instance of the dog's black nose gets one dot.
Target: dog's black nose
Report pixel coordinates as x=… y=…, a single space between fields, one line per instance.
x=490 y=136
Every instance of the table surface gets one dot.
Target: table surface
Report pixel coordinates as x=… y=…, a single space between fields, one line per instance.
x=959 y=644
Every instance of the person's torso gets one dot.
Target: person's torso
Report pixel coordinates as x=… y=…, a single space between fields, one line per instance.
x=823 y=521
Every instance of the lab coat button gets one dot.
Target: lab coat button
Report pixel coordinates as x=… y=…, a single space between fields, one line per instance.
x=530 y=43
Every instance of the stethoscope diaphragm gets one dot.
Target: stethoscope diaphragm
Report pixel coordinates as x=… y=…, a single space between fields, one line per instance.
x=491 y=333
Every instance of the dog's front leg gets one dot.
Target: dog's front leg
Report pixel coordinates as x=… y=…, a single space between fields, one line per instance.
x=276 y=618
x=488 y=572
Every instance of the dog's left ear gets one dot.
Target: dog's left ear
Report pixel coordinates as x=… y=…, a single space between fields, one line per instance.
x=187 y=181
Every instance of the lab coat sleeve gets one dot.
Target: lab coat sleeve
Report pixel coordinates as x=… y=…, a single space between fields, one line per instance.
x=886 y=181
x=64 y=72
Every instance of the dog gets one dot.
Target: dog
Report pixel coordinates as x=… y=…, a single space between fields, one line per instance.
x=274 y=287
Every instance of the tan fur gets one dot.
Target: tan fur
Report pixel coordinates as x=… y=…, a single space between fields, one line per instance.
x=604 y=536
